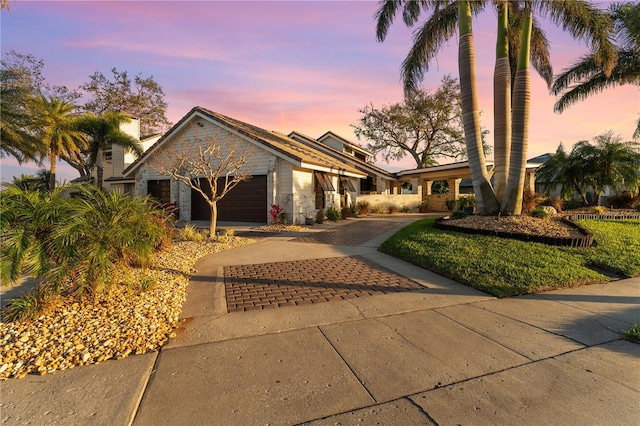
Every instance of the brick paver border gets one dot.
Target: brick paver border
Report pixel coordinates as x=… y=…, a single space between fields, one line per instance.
x=271 y=285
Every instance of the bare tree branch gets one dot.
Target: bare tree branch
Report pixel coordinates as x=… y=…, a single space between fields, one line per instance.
x=212 y=166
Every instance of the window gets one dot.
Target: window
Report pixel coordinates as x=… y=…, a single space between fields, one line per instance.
x=368 y=185
x=324 y=181
x=160 y=190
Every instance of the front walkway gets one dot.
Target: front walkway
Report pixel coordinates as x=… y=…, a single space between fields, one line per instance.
x=442 y=353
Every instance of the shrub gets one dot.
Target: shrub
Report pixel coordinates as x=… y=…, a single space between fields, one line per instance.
x=451 y=204
x=540 y=213
x=392 y=209
x=423 y=207
x=623 y=201
x=458 y=214
x=26 y=307
x=377 y=209
x=405 y=209
x=345 y=212
x=530 y=201
x=353 y=210
x=276 y=214
x=466 y=202
x=79 y=243
x=333 y=214
x=638 y=207
x=599 y=210
x=555 y=202
x=320 y=216
x=364 y=207
x=571 y=204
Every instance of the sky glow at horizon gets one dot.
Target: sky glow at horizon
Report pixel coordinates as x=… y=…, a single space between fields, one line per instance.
x=284 y=66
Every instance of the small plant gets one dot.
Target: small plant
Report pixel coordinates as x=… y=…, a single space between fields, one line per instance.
x=405 y=209
x=633 y=335
x=353 y=210
x=345 y=212
x=23 y=308
x=530 y=201
x=571 y=204
x=555 y=202
x=364 y=207
x=450 y=204
x=468 y=202
x=423 y=207
x=333 y=214
x=623 y=201
x=540 y=213
x=458 y=214
x=638 y=207
x=190 y=233
x=147 y=283
x=320 y=216
x=276 y=214
x=392 y=209
x=377 y=209
x=599 y=210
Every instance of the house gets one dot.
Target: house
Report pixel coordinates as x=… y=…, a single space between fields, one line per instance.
x=116 y=159
x=287 y=172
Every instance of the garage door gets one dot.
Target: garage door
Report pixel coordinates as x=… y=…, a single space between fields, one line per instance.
x=247 y=202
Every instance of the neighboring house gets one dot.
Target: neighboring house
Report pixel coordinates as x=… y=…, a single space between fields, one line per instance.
x=285 y=171
x=115 y=160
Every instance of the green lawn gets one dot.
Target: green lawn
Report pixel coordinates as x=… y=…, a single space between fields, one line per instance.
x=505 y=267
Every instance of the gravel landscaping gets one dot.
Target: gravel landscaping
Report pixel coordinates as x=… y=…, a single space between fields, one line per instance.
x=124 y=322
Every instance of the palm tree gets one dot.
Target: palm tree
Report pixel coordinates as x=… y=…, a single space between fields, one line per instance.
x=16 y=120
x=608 y=162
x=58 y=131
x=587 y=77
x=565 y=170
x=578 y=17
x=486 y=200
x=104 y=132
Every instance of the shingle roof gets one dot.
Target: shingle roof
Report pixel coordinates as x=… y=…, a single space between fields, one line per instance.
x=339 y=154
x=282 y=144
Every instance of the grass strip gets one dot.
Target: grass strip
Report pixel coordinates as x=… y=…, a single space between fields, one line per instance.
x=498 y=266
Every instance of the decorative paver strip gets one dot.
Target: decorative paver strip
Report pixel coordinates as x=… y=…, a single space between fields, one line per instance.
x=350 y=234
x=308 y=281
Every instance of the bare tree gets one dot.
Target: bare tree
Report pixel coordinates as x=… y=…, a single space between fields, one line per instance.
x=212 y=166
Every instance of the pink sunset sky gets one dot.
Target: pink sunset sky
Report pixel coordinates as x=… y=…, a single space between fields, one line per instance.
x=305 y=66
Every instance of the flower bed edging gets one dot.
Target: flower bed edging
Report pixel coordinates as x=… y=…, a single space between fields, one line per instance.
x=585 y=241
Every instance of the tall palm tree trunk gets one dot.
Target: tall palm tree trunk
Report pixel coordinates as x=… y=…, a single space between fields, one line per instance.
x=485 y=198
x=99 y=167
x=53 y=155
x=512 y=200
x=502 y=104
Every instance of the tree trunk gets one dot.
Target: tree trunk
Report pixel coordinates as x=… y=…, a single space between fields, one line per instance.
x=485 y=197
x=99 y=167
x=52 y=178
x=502 y=105
x=214 y=219
x=512 y=201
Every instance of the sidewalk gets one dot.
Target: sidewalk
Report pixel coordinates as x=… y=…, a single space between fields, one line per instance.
x=442 y=354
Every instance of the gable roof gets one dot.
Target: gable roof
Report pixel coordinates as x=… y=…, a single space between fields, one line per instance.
x=345 y=142
x=357 y=162
x=277 y=143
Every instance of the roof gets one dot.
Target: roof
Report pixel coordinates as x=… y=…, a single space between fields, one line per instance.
x=362 y=165
x=345 y=141
x=278 y=143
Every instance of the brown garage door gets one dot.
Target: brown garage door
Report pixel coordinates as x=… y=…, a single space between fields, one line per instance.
x=247 y=202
